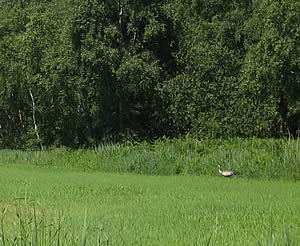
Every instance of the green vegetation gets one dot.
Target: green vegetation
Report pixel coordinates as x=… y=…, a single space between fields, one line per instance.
x=75 y=73
x=252 y=158
x=55 y=197
x=151 y=87
x=48 y=206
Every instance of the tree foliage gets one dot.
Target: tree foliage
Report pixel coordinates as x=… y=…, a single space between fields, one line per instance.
x=75 y=73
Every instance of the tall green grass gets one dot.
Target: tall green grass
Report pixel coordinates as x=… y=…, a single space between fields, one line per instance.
x=252 y=158
x=27 y=226
x=47 y=206
x=30 y=229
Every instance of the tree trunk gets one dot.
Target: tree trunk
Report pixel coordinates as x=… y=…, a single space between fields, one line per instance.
x=34 y=120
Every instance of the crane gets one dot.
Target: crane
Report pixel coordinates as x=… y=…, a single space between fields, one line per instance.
x=226 y=173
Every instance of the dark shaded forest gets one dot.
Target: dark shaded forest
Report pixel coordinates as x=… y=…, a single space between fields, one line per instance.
x=76 y=73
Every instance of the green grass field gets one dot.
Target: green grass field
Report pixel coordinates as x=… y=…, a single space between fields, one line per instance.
x=252 y=158
x=164 y=193
x=58 y=206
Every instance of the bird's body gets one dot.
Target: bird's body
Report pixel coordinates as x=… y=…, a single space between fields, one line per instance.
x=226 y=173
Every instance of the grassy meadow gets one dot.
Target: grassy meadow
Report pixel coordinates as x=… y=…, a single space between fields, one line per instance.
x=252 y=158
x=126 y=209
x=166 y=193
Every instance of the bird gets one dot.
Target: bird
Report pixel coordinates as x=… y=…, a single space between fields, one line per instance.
x=227 y=173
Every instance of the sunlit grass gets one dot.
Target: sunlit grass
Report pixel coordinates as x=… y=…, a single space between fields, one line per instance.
x=60 y=197
x=252 y=158
x=127 y=209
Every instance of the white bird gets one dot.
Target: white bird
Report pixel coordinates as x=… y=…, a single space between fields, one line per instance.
x=227 y=173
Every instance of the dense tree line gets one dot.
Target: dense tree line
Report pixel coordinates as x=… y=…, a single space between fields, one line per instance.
x=76 y=72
